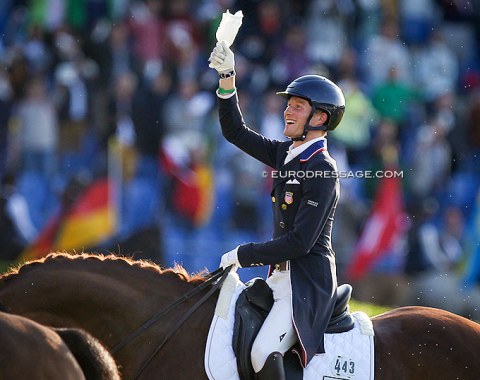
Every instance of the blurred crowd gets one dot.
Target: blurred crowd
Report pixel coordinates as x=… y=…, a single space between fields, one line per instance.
x=85 y=82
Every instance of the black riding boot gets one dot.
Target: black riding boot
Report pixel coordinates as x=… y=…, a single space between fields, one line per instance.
x=273 y=368
x=293 y=368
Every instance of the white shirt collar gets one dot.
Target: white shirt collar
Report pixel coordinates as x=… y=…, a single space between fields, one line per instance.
x=294 y=152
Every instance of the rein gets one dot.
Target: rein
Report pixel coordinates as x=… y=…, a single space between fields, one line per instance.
x=219 y=274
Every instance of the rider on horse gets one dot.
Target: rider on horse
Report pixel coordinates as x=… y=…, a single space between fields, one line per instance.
x=305 y=194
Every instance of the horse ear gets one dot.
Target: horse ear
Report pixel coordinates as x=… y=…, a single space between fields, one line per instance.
x=94 y=359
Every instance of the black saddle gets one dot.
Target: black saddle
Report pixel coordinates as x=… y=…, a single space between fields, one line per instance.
x=253 y=306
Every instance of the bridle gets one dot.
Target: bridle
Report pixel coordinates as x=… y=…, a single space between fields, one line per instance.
x=216 y=278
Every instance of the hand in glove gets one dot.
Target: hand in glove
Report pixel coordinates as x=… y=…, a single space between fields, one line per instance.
x=222 y=60
x=230 y=258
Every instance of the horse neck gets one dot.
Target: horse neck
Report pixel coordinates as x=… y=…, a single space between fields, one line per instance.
x=86 y=292
x=176 y=332
x=186 y=347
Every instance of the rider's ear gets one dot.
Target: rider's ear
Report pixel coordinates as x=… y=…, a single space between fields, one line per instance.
x=319 y=118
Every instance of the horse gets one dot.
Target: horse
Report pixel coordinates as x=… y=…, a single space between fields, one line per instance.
x=30 y=350
x=142 y=313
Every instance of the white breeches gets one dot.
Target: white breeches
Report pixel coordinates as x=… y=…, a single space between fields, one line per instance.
x=277 y=333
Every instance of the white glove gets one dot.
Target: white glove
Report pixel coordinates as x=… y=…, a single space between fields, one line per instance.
x=230 y=258
x=222 y=59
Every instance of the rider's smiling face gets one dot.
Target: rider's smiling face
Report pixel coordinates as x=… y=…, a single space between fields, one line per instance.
x=295 y=115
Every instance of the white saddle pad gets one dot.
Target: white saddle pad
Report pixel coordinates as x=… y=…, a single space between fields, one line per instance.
x=349 y=355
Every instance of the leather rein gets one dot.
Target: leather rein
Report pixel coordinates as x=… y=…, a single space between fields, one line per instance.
x=219 y=274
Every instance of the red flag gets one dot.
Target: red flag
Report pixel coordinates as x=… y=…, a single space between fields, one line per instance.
x=193 y=189
x=382 y=230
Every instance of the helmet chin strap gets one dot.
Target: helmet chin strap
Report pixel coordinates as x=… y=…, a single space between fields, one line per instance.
x=300 y=138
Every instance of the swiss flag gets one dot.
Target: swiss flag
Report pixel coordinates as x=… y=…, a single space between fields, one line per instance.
x=383 y=228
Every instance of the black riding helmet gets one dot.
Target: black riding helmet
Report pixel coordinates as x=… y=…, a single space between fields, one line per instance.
x=322 y=94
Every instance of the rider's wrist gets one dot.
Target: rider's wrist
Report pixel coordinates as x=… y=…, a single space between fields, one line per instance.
x=227 y=74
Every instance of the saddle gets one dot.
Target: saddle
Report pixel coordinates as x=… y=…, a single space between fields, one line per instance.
x=253 y=306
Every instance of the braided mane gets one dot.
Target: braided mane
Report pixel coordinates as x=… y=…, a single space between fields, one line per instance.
x=177 y=269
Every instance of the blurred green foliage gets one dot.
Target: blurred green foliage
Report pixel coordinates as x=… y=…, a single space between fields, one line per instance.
x=369 y=308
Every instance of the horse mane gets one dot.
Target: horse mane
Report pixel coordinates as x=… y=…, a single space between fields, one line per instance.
x=177 y=270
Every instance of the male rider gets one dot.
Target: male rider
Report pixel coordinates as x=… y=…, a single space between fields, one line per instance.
x=304 y=197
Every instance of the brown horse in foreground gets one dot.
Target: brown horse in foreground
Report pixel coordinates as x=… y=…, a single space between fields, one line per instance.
x=30 y=350
x=112 y=297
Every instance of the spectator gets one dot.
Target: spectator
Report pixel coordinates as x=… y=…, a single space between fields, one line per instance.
x=247 y=193
x=186 y=112
x=436 y=68
x=327 y=31
x=431 y=161
x=124 y=129
x=356 y=134
x=6 y=104
x=472 y=270
x=432 y=248
x=16 y=226
x=418 y=19
x=378 y=65
x=394 y=97
x=73 y=75
x=182 y=39
x=271 y=120
x=262 y=33
x=38 y=134
x=37 y=52
x=147 y=31
x=109 y=46
x=435 y=255
x=446 y=107
x=291 y=59
x=396 y=100
x=472 y=130
x=147 y=114
x=385 y=153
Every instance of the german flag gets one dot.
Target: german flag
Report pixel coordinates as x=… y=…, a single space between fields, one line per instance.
x=89 y=220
